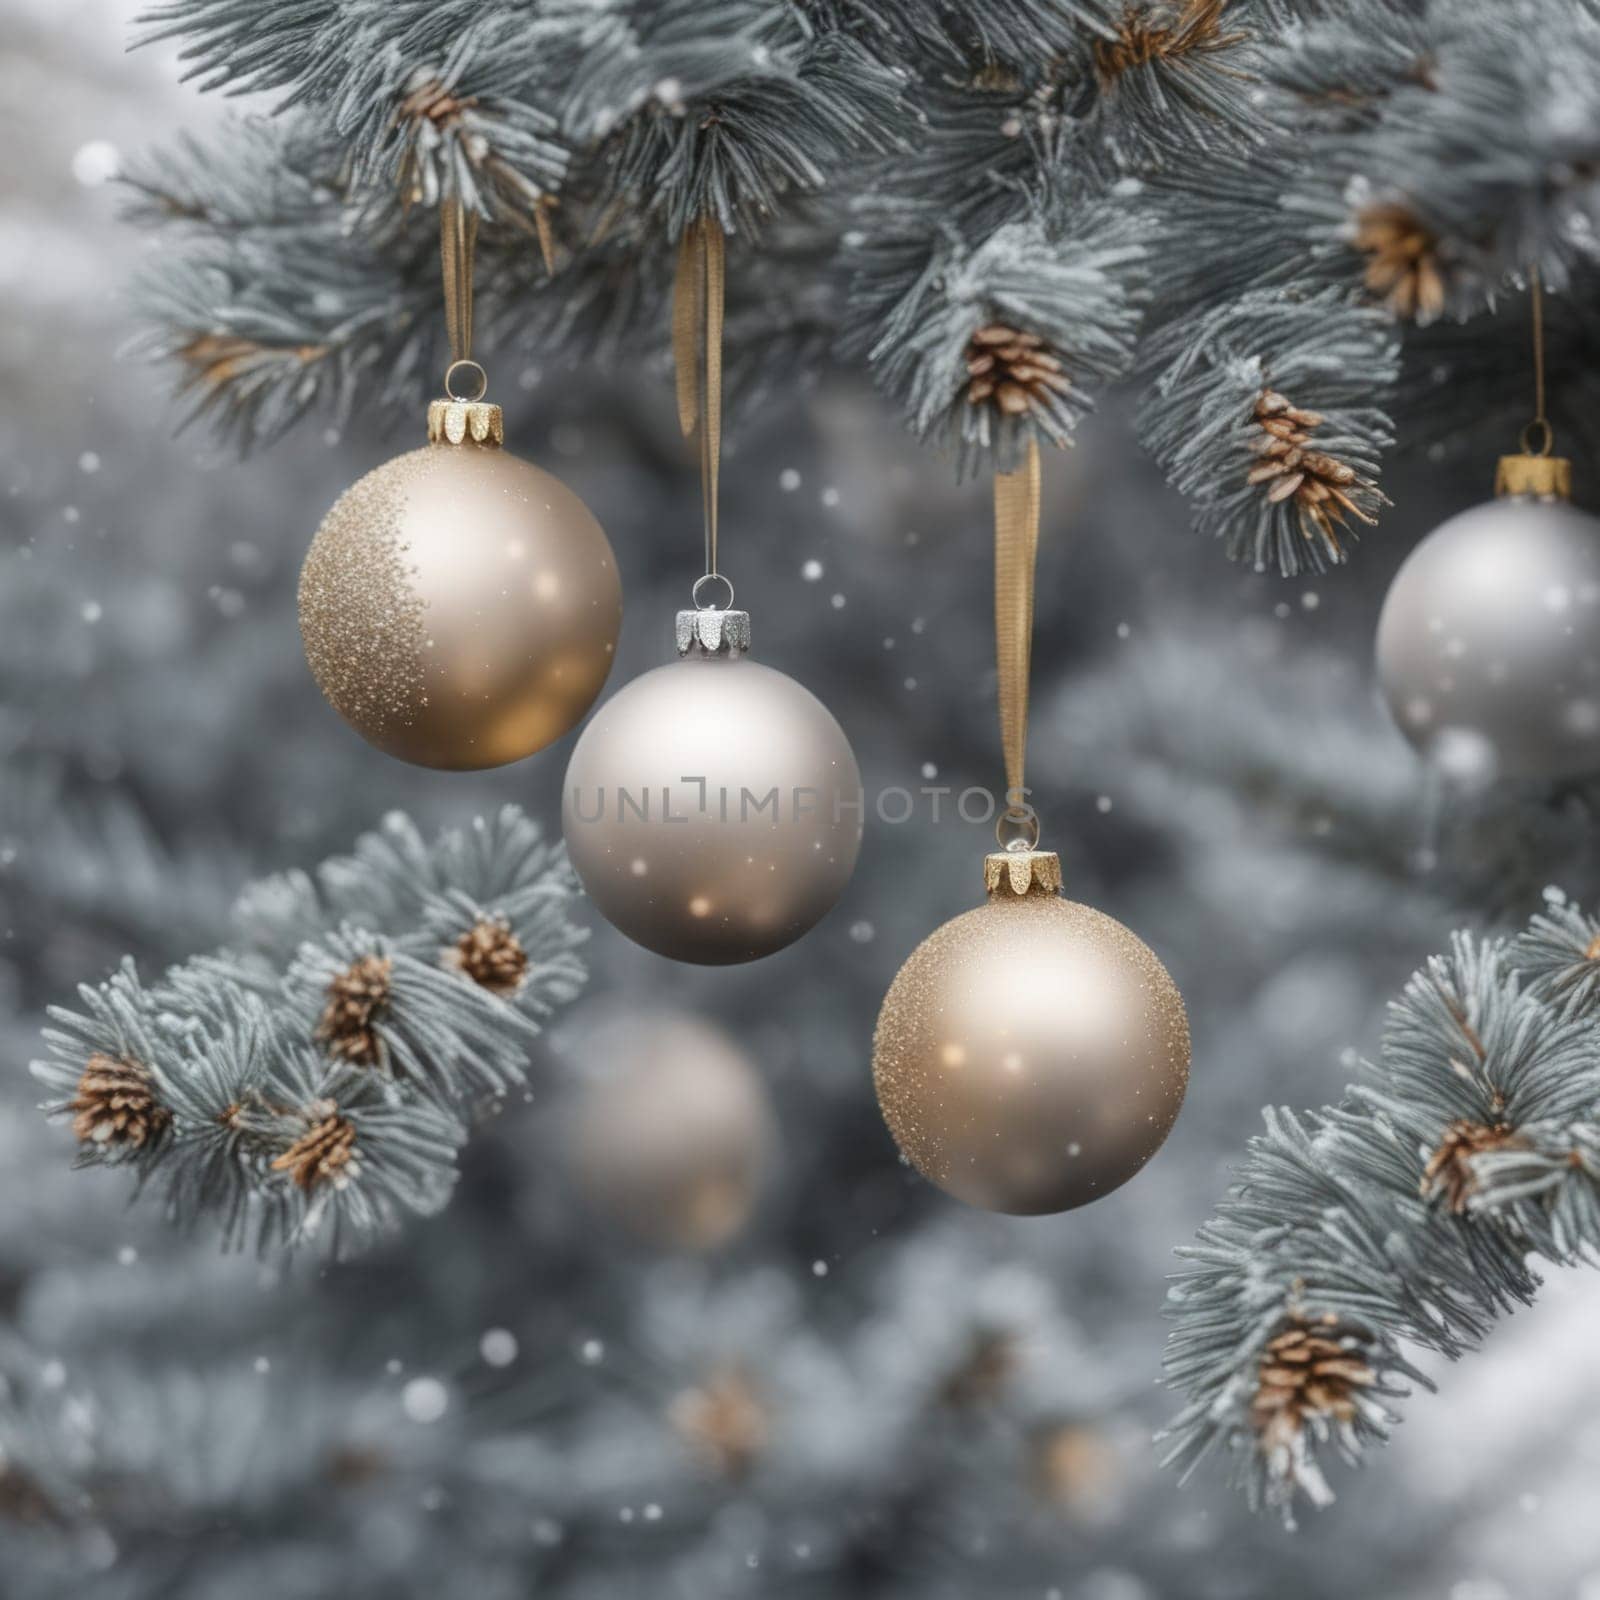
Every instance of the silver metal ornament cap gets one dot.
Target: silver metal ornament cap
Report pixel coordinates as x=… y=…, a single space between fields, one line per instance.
x=708 y=633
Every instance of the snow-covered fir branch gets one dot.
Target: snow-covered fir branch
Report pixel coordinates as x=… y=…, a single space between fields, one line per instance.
x=1402 y=1218
x=751 y=112
x=1421 y=160
x=1263 y=415
x=315 y=1082
x=1294 y=199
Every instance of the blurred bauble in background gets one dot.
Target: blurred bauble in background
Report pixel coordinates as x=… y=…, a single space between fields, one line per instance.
x=1489 y=640
x=713 y=807
x=459 y=606
x=672 y=1133
x=1033 y=1054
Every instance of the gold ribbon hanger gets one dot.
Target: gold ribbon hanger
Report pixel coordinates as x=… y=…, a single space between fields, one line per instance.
x=1540 y=427
x=1538 y=470
x=458 y=244
x=1016 y=551
x=461 y=416
x=458 y=241
x=698 y=295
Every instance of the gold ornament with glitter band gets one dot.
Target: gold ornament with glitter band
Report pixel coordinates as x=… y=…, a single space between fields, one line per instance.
x=712 y=807
x=1032 y=1054
x=459 y=606
x=1488 y=645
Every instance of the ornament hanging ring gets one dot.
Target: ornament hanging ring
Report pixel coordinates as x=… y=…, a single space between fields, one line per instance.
x=1017 y=828
x=711 y=577
x=1541 y=430
x=482 y=385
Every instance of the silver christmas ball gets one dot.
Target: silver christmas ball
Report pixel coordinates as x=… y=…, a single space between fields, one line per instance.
x=1489 y=642
x=713 y=807
x=672 y=1133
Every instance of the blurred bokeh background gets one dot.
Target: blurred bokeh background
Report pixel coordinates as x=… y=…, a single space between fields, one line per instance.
x=867 y=1390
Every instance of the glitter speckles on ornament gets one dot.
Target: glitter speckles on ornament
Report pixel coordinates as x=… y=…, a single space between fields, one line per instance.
x=360 y=620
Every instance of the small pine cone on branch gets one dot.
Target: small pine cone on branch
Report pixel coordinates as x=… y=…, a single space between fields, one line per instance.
x=1147 y=34
x=1449 y=1174
x=491 y=955
x=1403 y=269
x=1311 y=1374
x=427 y=98
x=356 y=998
x=116 y=1105
x=429 y=113
x=324 y=1154
x=1324 y=491
x=1013 y=371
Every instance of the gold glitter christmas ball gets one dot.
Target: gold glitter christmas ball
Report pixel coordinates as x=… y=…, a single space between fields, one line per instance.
x=459 y=606
x=672 y=1133
x=1032 y=1054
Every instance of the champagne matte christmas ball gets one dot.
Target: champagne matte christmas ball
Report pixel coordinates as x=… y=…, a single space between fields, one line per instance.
x=459 y=606
x=713 y=807
x=1489 y=642
x=1032 y=1054
x=673 y=1133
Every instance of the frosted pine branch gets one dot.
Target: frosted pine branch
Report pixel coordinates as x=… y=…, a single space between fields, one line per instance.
x=317 y=1082
x=1173 y=75
x=1263 y=413
x=984 y=348
x=726 y=110
x=1284 y=201
x=1404 y=1216
x=1416 y=163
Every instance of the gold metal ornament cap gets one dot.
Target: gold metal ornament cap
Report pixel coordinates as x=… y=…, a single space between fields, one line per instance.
x=1540 y=477
x=465 y=422
x=1010 y=874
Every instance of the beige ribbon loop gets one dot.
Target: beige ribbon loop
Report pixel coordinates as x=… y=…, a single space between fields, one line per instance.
x=698 y=296
x=458 y=238
x=1016 y=550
